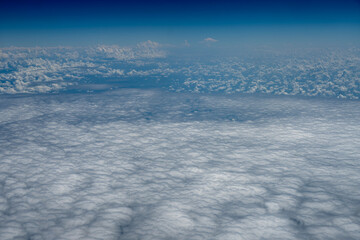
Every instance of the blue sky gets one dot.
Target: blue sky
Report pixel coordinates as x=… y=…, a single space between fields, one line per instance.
x=49 y=23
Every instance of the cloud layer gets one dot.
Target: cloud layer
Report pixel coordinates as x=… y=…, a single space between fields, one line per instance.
x=143 y=164
x=42 y=70
x=305 y=72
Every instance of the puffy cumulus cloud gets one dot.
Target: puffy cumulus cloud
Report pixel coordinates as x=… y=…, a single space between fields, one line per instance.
x=148 y=49
x=38 y=70
x=307 y=72
x=314 y=72
x=141 y=164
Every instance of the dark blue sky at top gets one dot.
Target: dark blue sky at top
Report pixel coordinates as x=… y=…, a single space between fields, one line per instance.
x=92 y=22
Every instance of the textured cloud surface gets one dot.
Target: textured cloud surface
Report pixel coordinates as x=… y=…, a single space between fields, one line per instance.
x=42 y=70
x=144 y=164
x=306 y=72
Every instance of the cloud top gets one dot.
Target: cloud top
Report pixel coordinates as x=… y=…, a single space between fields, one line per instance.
x=313 y=72
x=210 y=40
x=144 y=164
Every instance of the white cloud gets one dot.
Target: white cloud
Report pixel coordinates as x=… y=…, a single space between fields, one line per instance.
x=210 y=40
x=141 y=164
x=34 y=70
x=329 y=73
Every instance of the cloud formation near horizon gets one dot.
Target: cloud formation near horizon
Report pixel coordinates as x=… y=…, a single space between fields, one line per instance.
x=303 y=72
x=47 y=69
x=210 y=40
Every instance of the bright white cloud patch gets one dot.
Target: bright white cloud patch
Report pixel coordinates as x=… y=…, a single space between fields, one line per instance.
x=141 y=164
x=210 y=40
